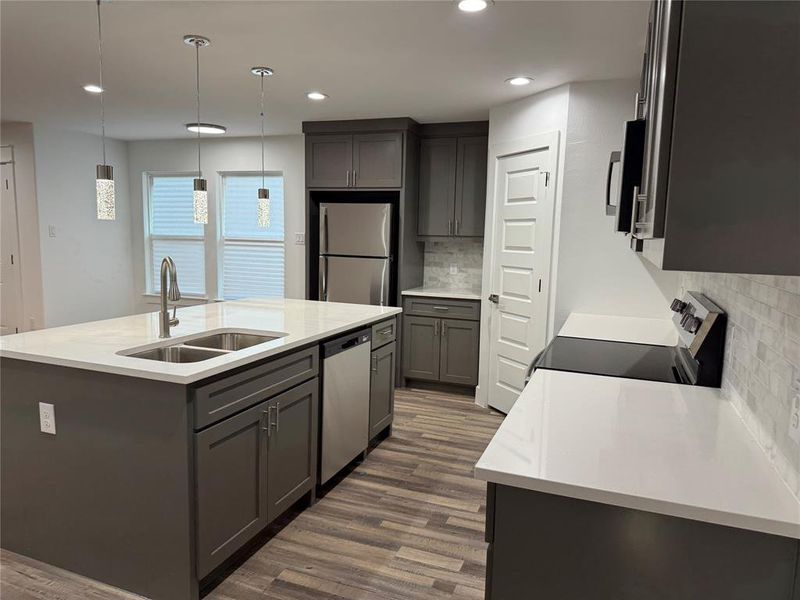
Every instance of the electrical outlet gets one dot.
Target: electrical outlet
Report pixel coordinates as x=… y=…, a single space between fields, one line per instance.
x=47 y=418
x=794 y=414
x=300 y=239
x=51 y=230
x=453 y=269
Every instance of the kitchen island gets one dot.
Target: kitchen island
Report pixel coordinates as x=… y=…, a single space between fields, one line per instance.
x=155 y=473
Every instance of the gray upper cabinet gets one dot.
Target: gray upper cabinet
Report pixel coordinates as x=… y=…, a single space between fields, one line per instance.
x=458 y=362
x=470 y=204
x=329 y=160
x=231 y=476
x=421 y=348
x=437 y=186
x=291 y=455
x=381 y=389
x=452 y=193
x=377 y=160
x=364 y=160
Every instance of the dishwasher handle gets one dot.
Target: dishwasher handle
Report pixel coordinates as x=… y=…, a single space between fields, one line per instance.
x=346 y=342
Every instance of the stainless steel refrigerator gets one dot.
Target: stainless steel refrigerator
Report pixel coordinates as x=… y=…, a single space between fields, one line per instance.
x=355 y=253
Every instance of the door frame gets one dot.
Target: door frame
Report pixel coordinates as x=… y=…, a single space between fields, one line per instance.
x=11 y=162
x=551 y=141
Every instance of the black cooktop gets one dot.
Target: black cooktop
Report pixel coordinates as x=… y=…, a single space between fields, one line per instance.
x=615 y=359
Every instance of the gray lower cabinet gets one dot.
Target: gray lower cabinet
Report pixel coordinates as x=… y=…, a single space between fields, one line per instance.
x=381 y=389
x=458 y=362
x=441 y=348
x=421 y=348
x=250 y=468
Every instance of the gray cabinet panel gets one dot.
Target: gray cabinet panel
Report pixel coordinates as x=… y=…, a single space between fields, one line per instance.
x=421 y=348
x=437 y=186
x=225 y=397
x=377 y=160
x=329 y=160
x=292 y=446
x=459 y=353
x=470 y=203
x=381 y=389
x=231 y=474
x=383 y=333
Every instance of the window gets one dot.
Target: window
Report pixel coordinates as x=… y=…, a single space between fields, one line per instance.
x=171 y=231
x=252 y=262
x=249 y=260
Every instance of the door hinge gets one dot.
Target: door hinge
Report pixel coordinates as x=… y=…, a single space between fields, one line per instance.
x=546 y=178
x=540 y=286
x=6 y=183
x=12 y=259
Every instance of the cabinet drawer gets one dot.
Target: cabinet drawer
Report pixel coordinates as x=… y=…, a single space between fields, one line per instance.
x=383 y=333
x=227 y=396
x=440 y=307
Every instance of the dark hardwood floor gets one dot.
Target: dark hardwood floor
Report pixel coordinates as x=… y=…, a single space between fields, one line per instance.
x=406 y=524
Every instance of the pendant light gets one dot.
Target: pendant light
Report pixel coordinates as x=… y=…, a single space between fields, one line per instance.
x=263 y=193
x=200 y=193
x=104 y=184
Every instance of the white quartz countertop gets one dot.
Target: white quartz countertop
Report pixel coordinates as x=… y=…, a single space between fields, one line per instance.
x=444 y=292
x=672 y=449
x=95 y=346
x=637 y=330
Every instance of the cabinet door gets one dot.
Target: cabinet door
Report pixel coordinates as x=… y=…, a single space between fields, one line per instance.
x=381 y=389
x=459 y=355
x=292 y=443
x=437 y=186
x=377 y=160
x=329 y=160
x=231 y=475
x=471 y=186
x=421 y=348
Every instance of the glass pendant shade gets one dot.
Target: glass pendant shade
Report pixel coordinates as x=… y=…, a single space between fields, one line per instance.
x=263 y=208
x=200 y=201
x=106 y=204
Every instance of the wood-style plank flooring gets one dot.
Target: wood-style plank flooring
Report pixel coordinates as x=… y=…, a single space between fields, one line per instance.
x=406 y=524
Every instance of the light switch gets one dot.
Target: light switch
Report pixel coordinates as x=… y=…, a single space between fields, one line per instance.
x=51 y=230
x=453 y=269
x=300 y=239
x=47 y=418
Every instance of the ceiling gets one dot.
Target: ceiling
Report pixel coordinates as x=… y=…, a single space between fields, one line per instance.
x=426 y=60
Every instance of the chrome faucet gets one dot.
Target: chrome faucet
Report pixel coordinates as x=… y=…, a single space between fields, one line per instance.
x=164 y=321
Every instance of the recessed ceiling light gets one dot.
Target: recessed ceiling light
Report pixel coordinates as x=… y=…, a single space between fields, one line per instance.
x=93 y=89
x=472 y=6
x=519 y=80
x=316 y=95
x=205 y=128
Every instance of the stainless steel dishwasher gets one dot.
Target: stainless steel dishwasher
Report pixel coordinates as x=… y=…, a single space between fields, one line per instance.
x=345 y=401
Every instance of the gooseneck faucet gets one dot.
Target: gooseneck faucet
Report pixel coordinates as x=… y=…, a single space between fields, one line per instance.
x=164 y=321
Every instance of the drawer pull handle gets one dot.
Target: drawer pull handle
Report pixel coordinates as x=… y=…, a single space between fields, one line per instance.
x=386 y=331
x=374 y=366
x=269 y=425
x=441 y=308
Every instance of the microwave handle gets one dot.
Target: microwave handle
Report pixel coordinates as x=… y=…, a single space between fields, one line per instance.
x=616 y=156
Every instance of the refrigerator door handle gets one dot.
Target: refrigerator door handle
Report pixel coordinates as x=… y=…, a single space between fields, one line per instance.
x=323 y=230
x=323 y=278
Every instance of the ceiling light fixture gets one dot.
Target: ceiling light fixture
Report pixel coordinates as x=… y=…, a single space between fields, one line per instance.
x=206 y=128
x=93 y=89
x=200 y=189
x=263 y=215
x=519 y=80
x=104 y=182
x=316 y=95
x=473 y=6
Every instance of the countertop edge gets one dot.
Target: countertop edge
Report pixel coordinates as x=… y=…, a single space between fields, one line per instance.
x=694 y=513
x=452 y=294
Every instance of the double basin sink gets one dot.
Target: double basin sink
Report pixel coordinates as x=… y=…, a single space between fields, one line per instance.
x=204 y=347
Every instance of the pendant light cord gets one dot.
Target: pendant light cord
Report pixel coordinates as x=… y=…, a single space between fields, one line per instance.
x=102 y=88
x=197 y=72
x=262 y=129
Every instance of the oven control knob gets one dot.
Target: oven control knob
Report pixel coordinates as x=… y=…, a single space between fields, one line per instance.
x=692 y=324
x=677 y=305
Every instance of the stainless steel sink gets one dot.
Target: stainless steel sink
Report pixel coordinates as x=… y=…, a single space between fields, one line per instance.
x=177 y=354
x=231 y=341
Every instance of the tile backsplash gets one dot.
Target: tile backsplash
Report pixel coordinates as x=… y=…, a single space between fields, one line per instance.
x=466 y=254
x=761 y=375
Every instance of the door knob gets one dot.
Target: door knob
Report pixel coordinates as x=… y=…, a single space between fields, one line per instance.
x=494 y=298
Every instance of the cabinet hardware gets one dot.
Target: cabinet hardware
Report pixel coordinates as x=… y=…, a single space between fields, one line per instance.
x=355 y=177
x=386 y=331
x=456 y=227
x=267 y=428
x=436 y=328
x=278 y=417
x=374 y=366
x=444 y=329
x=441 y=308
x=449 y=227
x=348 y=179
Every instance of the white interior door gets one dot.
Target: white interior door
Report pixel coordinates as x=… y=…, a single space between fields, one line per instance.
x=520 y=271
x=10 y=274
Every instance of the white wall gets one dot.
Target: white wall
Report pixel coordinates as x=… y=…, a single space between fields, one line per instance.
x=20 y=136
x=282 y=153
x=597 y=271
x=86 y=268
